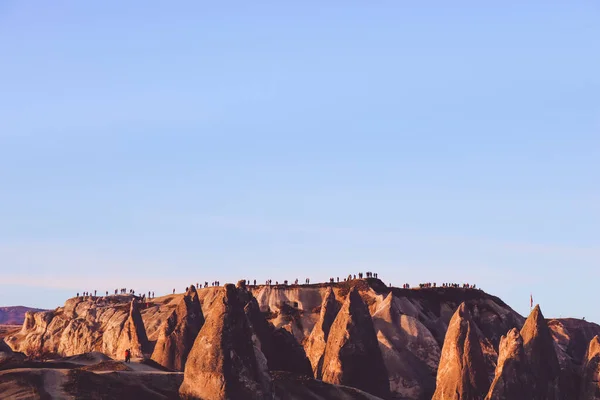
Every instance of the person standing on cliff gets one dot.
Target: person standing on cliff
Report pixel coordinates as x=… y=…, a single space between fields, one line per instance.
x=127 y=355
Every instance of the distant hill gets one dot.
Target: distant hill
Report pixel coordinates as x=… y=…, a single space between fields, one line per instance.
x=14 y=315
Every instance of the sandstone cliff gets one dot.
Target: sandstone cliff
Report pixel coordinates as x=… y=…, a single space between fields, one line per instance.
x=541 y=357
x=178 y=333
x=315 y=345
x=352 y=355
x=410 y=352
x=462 y=372
x=223 y=362
x=279 y=346
x=133 y=334
x=571 y=337
x=86 y=324
x=590 y=380
x=410 y=326
x=513 y=376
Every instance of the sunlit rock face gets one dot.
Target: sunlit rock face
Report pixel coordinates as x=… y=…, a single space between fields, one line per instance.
x=224 y=363
x=410 y=352
x=104 y=324
x=292 y=327
x=590 y=373
x=513 y=377
x=541 y=357
x=133 y=335
x=352 y=355
x=462 y=372
x=317 y=340
x=178 y=333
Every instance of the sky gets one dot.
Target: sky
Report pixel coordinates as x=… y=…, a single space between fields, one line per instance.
x=151 y=145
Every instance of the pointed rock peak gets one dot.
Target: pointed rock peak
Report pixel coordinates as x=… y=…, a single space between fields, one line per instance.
x=536 y=328
x=541 y=356
x=388 y=309
x=355 y=306
x=224 y=363
x=462 y=370
x=388 y=303
x=352 y=354
x=534 y=324
x=178 y=333
x=316 y=342
x=389 y=298
x=191 y=290
x=133 y=334
x=230 y=293
x=513 y=379
x=329 y=309
x=463 y=311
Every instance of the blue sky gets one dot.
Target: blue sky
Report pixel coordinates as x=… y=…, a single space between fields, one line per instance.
x=150 y=145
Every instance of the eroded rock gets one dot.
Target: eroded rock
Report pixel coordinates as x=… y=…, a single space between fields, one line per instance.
x=541 y=357
x=224 y=363
x=352 y=355
x=513 y=376
x=179 y=331
x=410 y=352
x=316 y=342
x=462 y=373
x=590 y=374
x=133 y=335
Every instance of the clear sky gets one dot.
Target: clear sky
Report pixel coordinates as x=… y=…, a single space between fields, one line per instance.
x=152 y=144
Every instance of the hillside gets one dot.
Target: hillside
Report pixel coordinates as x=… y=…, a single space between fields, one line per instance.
x=14 y=315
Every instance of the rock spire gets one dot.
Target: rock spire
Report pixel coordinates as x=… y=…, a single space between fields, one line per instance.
x=352 y=355
x=178 y=333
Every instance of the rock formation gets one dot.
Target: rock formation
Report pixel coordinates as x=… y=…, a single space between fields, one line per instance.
x=352 y=356
x=555 y=359
x=590 y=374
x=410 y=352
x=541 y=357
x=224 y=363
x=513 y=376
x=288 y=354
x=571 y=337
x=7 y=355
x=315 y=345
x=178 y=333
x=86 y=324
x=280 y=347
x=133 y=335
x=462 y=372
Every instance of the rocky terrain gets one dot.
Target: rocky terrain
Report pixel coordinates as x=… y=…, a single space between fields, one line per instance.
x=351 y=340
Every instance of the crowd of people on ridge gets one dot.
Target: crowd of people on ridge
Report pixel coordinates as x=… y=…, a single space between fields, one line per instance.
x=269 y=282
x=447 y=285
